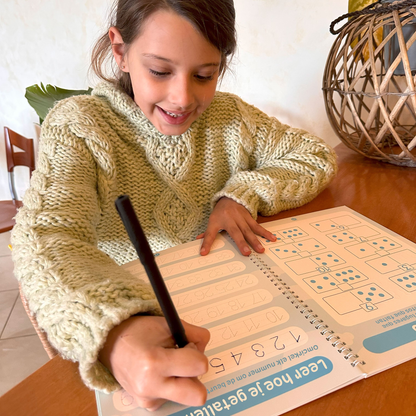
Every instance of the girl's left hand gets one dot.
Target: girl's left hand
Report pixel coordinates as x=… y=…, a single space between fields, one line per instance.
x=236 y=220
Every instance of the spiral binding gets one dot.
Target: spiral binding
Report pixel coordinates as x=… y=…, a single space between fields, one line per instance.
x=309 y=314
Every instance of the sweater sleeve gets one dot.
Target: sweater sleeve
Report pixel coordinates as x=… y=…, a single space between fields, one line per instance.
x=282 y=167
x=77 y=292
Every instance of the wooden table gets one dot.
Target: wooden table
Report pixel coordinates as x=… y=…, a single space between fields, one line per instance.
x=383 y=192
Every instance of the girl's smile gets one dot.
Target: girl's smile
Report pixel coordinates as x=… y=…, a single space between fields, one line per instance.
x=173 y=117
x=173 y=70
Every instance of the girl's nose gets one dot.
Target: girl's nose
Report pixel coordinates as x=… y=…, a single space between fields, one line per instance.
x=181 y=92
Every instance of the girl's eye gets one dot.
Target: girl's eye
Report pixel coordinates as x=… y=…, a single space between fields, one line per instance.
x=202 y=78
x=157 y=73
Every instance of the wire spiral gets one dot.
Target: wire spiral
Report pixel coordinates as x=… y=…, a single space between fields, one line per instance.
x=308 y=313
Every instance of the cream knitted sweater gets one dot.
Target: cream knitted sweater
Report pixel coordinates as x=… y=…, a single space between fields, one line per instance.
x=68 y=242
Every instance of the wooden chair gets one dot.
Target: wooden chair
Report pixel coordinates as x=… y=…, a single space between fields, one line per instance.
x=24 y=157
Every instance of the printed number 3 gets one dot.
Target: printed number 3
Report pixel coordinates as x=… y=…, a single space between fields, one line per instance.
x=257 y=350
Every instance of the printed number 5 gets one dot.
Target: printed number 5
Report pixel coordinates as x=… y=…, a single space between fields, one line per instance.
x=220 y=367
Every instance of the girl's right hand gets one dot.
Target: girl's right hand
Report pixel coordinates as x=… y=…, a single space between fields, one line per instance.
x=141 y=355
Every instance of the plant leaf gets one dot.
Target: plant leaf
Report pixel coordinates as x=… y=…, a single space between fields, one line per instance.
x=43 y=98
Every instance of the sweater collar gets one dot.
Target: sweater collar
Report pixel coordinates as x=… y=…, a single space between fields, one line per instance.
x=172 y=156
x=123 y=104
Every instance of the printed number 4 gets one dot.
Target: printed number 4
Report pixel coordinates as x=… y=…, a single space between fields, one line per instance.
x=237 y=357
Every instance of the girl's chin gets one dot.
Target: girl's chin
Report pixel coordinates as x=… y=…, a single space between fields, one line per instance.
x=169 y=130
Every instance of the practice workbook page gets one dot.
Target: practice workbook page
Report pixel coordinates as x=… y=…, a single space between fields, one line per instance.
x=358 y=276
x=262 y=350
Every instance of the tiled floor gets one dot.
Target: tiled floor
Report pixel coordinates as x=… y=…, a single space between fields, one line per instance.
x=21 y=352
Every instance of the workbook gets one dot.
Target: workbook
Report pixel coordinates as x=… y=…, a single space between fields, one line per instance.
x=330 y=302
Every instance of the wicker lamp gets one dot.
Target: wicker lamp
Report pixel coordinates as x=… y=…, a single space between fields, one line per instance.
x=369 y=82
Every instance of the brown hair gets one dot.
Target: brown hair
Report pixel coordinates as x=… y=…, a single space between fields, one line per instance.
x=214 y=19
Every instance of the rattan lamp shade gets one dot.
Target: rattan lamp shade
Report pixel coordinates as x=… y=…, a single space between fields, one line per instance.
x=369 y=82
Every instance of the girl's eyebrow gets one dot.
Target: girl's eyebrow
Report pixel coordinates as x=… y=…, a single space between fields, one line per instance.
x=161 y=58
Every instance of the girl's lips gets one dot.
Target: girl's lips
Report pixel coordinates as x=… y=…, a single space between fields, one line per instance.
x=176 y=119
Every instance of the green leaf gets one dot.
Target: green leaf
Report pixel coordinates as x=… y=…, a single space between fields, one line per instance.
x=43 y=98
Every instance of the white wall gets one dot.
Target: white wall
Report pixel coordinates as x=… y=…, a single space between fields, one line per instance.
x=283 y=46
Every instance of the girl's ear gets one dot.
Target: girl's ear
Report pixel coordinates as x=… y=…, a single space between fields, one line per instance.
x=118 y=48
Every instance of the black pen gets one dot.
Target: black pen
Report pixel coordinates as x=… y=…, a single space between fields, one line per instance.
x=140 y=243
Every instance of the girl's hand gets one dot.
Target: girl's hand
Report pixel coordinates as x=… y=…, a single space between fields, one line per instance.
x=236 y=220
x=141 y=354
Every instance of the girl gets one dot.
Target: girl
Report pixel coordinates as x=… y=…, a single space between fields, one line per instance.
x=193 y=161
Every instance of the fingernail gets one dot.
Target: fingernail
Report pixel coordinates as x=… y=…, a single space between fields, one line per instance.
x=203 y=251
x=260 y=248
x=246 y=250
x=192 y=345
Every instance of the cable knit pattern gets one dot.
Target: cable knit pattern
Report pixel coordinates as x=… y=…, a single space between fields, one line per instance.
x=69 y=242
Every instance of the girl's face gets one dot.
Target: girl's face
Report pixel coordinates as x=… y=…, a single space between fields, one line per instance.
x=173 y=69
